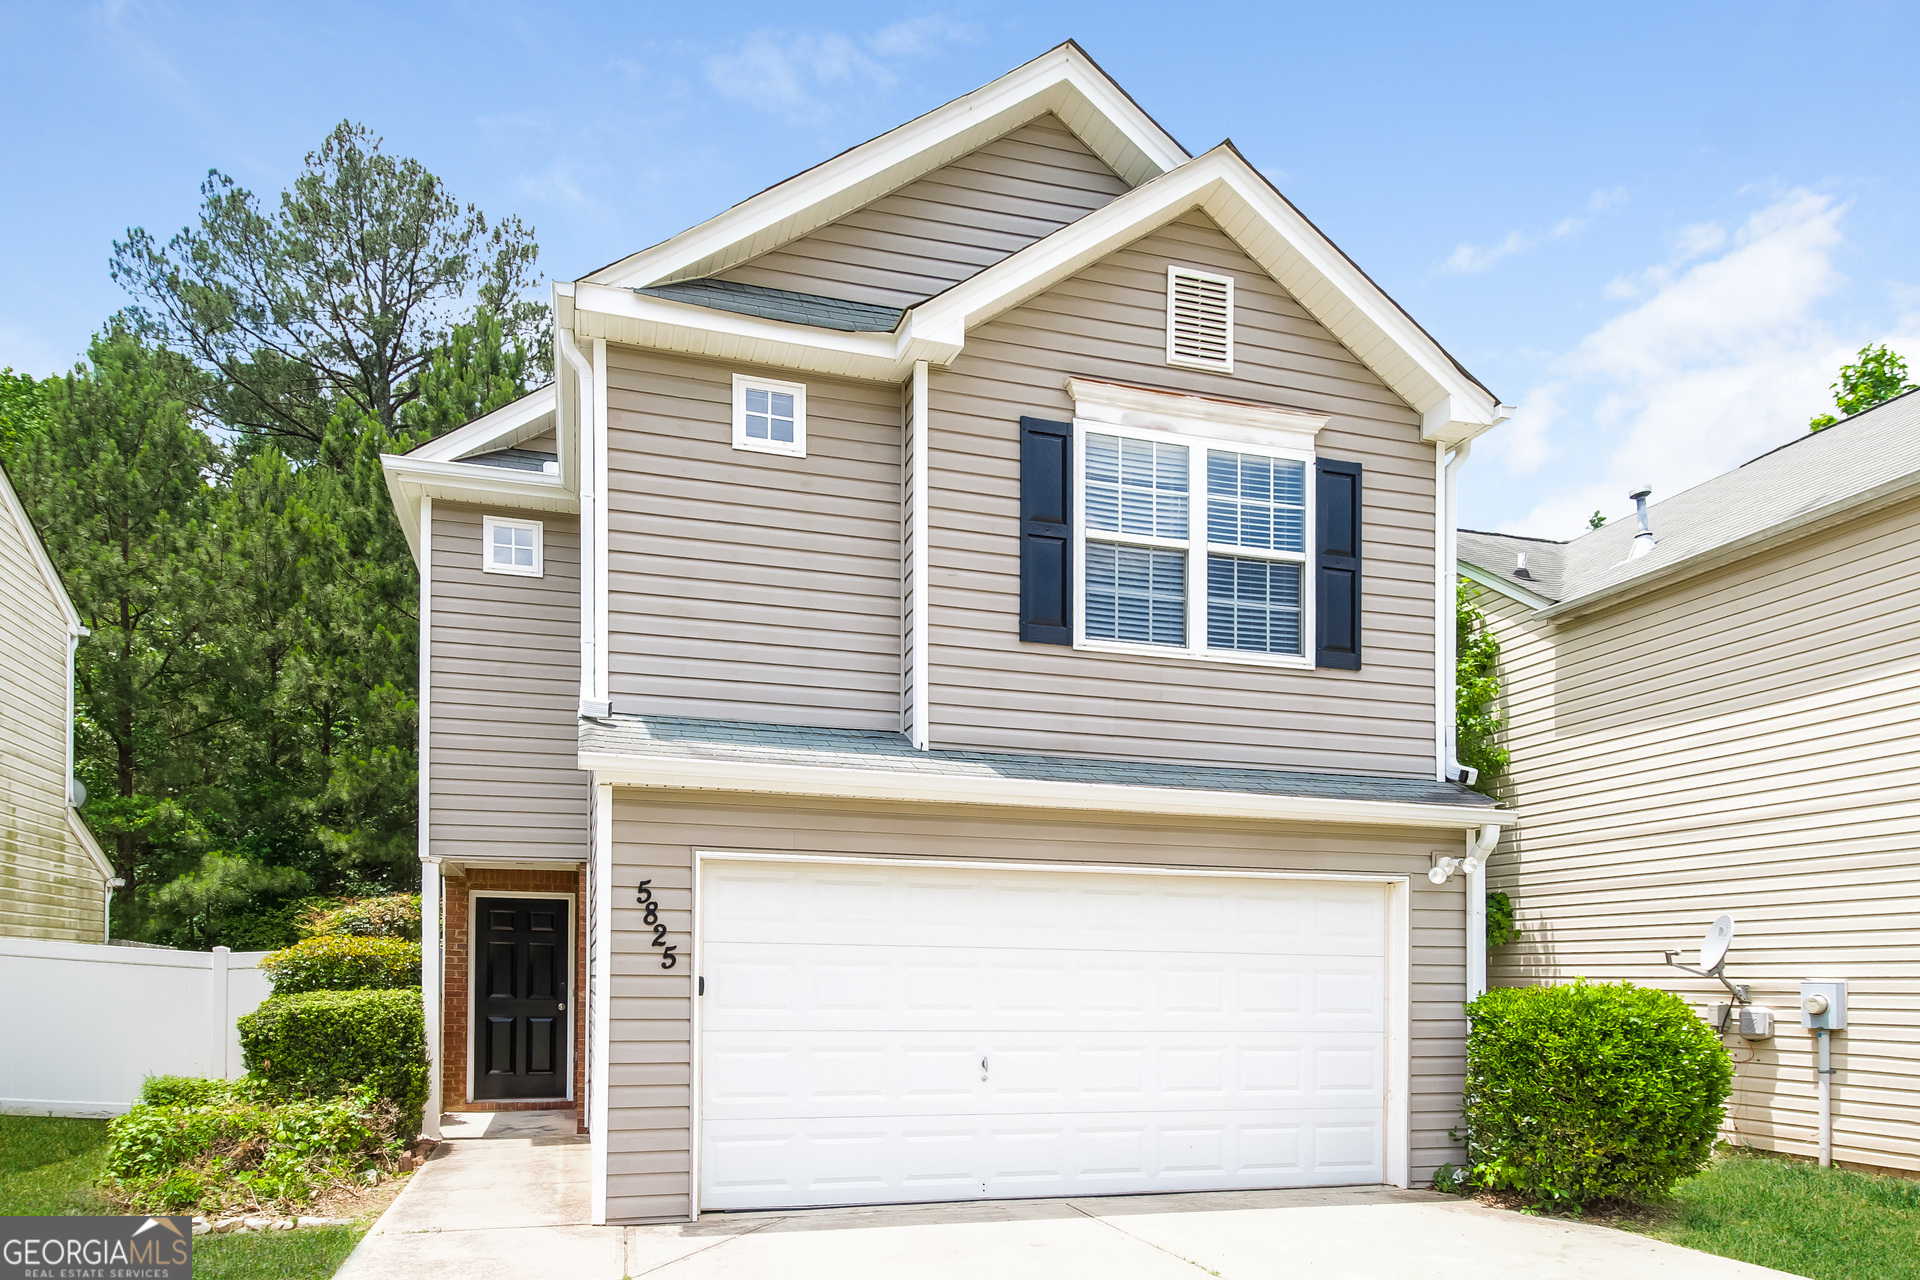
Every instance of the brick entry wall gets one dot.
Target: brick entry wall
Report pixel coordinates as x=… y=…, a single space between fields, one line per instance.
x=453 y=1040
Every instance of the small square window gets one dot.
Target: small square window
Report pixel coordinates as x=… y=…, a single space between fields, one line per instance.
x=511 y=546
x=769 y=417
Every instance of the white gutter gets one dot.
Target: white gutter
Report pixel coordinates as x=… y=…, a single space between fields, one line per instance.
x=592 y=697
x=613 y=768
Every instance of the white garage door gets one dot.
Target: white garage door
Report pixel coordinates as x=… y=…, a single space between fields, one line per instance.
x=876 y=1034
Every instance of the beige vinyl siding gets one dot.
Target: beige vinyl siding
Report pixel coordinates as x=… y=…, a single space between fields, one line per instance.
x=504 y=695
x=1745 y=743
x=743 y=585
x=49 y=886
x=940 y=229
x=656 y=833
x=991 y=691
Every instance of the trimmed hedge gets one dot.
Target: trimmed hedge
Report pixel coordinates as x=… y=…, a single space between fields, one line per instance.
x=327 y=1042
x=1592 y=1091
x=339 y=962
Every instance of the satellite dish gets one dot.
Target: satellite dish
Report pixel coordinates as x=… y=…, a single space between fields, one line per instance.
x=1713 y=947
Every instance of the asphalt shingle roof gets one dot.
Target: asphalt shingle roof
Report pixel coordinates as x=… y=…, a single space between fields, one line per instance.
x=780 y=304
x=679 y=737
x=1850 y=459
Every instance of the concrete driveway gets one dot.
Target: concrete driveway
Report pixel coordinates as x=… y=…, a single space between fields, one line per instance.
x=513 y=1206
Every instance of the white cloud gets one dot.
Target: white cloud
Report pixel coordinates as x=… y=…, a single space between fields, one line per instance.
x=806 y=78
x=1717 y=362
x=1471 y=259
x=922 y=37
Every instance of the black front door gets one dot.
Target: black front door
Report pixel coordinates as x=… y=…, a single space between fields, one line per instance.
x=521 y=962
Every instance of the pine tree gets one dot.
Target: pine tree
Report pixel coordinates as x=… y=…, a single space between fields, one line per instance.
x=114 y=473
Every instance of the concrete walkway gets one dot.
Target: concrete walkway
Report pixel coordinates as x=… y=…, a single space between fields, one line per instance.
x=511 y=1204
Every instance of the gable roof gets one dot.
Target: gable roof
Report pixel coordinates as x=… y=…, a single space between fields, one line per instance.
x=1454 y=405
x=1063 y=81
x=480 y=463
x=1856 y=466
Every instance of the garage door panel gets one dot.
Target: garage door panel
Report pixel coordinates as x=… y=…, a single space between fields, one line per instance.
x=784 y=903
x=837 y=985
x=873 y=1034
x=886 y=1159
x=855 y=1073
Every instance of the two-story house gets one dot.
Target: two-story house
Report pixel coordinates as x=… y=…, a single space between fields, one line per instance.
x=947 y=695
x=1716 y=716
x=55 y=882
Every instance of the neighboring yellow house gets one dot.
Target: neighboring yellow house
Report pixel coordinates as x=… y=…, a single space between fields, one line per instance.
x=1725 y=722
x=54 y=880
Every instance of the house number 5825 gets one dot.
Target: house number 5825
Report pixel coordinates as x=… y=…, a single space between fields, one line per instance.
x=650 y=915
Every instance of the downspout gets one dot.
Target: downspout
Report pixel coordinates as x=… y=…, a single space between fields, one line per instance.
x=1480 y=846
x=432 y=939
x=919 y=680
x=1448 y=629
x=592 y=701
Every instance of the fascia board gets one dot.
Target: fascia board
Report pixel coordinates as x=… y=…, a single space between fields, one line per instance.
x=1063 y=81
x=859 y=784
x=620 y=315
x=1827 y=515
x=1220 y=182
x=78 y=826
x=43 y=565
x=1495 y=583
x=502 y=429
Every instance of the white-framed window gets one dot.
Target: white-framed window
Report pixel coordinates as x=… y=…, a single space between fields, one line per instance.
x=1192 y=546
x=511 y=546
x=769 y=416
x=1199 y=319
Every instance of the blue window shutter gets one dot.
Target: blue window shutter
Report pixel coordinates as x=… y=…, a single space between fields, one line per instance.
x=1336 y=564
x=1046 y=531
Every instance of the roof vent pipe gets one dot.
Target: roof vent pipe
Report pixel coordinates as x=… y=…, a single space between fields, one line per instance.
x=1643 y=540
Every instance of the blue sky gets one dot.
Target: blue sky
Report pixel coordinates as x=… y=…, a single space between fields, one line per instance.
x=1657 y=228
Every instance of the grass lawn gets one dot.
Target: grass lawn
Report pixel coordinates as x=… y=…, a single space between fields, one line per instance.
x=1829 y=1224
x=48 y=1166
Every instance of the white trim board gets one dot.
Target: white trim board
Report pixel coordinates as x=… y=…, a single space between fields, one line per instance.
x=473 y=982
x=1397 y=1119
x=611 y=769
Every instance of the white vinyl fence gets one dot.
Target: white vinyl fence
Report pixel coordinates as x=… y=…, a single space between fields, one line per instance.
x=86 y=1022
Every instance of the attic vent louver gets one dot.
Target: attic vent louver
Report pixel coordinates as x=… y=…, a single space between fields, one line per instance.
x=1199 y=319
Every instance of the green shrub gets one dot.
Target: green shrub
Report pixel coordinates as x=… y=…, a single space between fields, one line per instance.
x=341 y=962
x=240 y=1146
x=394 y=916
x=327 y=1042
x=182 y=1091
x=1592 y=1091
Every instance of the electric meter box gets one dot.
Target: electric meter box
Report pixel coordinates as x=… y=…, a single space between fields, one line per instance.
x=1823 y=1003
